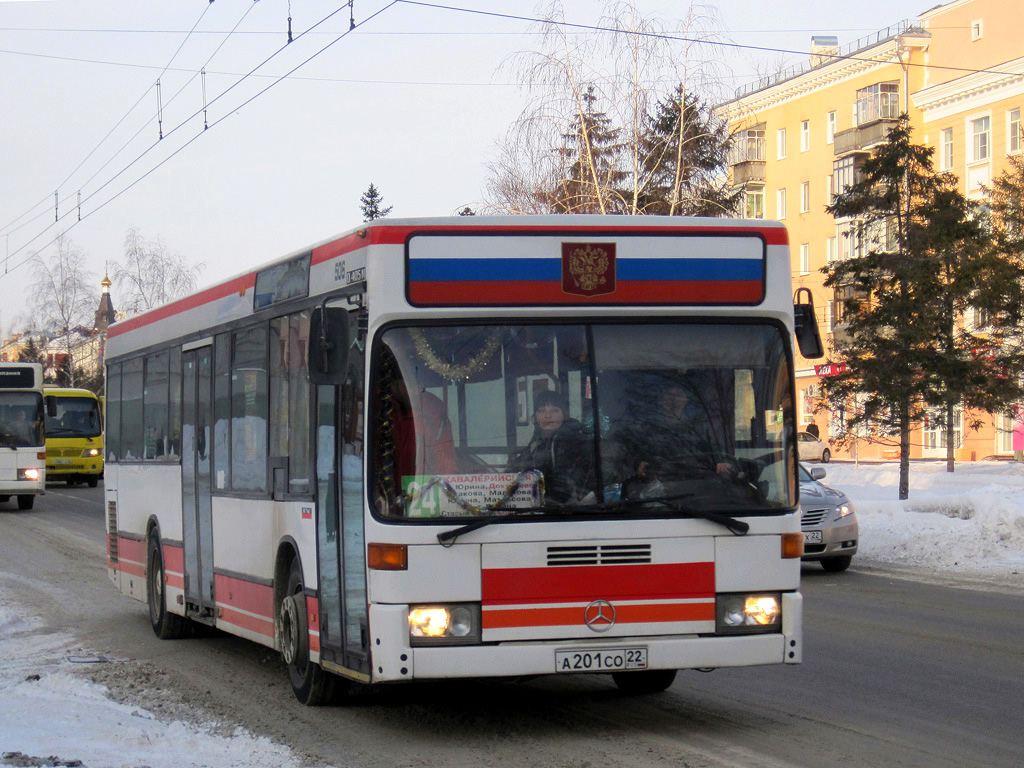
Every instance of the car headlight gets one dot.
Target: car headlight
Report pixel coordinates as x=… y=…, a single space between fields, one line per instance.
x=28 y=474
x=89 y=453
x=451 y=624
x=843 y=510
x=748 y=613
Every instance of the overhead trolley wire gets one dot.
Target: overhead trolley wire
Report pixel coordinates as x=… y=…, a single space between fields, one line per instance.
x=353 y=26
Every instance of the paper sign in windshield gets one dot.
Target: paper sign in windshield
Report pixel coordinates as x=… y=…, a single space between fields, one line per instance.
x=470 y=495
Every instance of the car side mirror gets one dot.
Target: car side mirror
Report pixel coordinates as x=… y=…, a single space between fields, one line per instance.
x=328 y=345
x=805 y=326
x=818 y=473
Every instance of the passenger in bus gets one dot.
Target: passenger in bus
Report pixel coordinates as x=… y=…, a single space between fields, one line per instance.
x=674 y=442
x=560 y=449
x=422 y=433
x=22 y=428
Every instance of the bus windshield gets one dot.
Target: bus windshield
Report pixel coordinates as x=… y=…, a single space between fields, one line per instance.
x=74 y=417
x=21 y=419
x=541 y=421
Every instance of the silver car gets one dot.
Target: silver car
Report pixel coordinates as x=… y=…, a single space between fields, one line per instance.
x=828 y=522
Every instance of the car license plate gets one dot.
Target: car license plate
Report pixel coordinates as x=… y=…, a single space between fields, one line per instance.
x=603 y=660
x=812 y=537
x=63 y=461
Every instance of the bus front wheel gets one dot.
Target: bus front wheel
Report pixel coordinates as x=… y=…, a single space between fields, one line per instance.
x=166 y=626
x=311 y=684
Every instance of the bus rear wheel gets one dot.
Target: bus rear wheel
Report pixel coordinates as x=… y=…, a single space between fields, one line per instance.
x=311 y=684
x=166 y=625
x=646 y=681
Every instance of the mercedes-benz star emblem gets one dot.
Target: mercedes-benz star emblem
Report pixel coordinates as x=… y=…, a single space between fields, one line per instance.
x=599 y=615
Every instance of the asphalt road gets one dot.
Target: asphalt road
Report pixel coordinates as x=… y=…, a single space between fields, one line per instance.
x=895 y=673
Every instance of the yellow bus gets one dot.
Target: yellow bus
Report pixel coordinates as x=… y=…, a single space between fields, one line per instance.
x=74 y=435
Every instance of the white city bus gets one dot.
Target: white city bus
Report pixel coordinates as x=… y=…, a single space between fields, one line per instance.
x=22 y=443
x=440 y=448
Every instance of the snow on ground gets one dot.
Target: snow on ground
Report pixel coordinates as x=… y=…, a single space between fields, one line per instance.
x=965 y=527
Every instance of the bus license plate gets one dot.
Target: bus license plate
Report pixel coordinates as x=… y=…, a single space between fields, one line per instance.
x=812 y=537
x=604 y=660
x=63 y=461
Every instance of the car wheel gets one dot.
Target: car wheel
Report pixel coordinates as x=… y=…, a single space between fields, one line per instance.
x=26 y=502
x=836 y=564
x=166 y=626
x=311 y=684
x=825 y=456
x=646 y=681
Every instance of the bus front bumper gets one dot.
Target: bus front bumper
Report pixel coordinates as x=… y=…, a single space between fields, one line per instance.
x=398 y=660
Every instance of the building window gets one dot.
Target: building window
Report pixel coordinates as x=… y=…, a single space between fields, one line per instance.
x=749 y=145
x=805 y=135
x=1014 y=139
x=780 y=203
x=805 y=197
x=829 y=315
x=844 y=174
x=830 y=128
x=981 y=139
x=878 y=102
x=945 y=149
x=755 y=204
x=829 y=197
x=976 y=30
x=830 y=250
x=805 y=259
x=780 y=143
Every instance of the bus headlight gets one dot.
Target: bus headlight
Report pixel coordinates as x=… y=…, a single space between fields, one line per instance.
x=89 y=453
x=28 y=474
x=749 y=613
x=444 y=624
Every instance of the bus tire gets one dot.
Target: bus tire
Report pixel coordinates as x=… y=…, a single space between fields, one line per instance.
x=26 y=501
x=166 y=625
x=310 y=683
x=646 y=681
x=93 y=481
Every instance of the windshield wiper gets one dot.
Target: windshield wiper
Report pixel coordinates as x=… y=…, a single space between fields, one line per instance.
x=447 y=538
x=738 y=527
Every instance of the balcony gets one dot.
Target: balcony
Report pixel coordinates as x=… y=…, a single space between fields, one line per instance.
x=747 y=172
x=864 y=137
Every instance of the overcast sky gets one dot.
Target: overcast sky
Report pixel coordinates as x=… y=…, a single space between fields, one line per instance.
x=413 y=100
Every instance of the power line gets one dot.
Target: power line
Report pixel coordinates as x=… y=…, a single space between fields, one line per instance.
x=212 y=125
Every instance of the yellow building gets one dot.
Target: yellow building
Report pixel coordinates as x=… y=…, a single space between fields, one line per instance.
x=958 y=72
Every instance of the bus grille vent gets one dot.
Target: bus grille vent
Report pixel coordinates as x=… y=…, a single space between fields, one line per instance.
x=112 y=528
x=603 y=554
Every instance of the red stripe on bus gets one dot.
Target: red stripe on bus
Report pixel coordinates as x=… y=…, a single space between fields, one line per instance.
x=397 y=235
x=248 y=282
x=244 y=595
x=131 y=549
x=339 y=247
x=174 y=558
x=563 y=584
x=258 y=624
x=434 y=293
x=132 y=569
x=505 y=618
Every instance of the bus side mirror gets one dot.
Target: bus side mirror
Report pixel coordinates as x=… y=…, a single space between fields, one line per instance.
x=51 y=407
x=328 y=345
x=805 y=327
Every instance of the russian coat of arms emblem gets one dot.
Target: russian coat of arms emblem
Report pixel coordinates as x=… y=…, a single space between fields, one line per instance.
x=588 y=269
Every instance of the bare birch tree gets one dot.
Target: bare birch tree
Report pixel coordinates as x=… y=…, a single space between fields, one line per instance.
x=63 y=298
x=584 y=142
x=150 y=274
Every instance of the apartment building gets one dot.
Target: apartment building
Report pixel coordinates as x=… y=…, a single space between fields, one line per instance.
x=802 y=135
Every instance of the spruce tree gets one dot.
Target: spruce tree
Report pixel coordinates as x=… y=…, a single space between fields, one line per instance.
x=685 y=155
x=920 y=261
x=371 y=203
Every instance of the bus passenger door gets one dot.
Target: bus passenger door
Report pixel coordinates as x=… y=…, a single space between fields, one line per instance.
x=197 y=440
x=343 y=605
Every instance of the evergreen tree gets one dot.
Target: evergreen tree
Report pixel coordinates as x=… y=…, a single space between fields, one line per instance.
x=33 y=352
x=371 y=203
x=920 y=262
x=685 y=155
x=590 y=152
